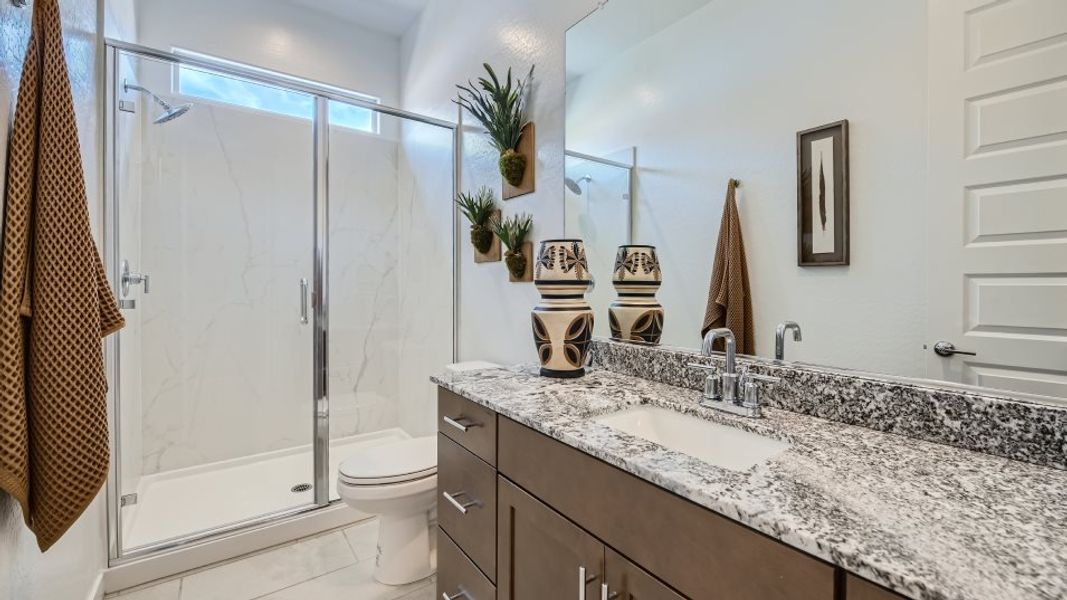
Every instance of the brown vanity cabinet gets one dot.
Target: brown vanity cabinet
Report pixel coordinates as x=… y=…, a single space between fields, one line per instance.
x=528 y=516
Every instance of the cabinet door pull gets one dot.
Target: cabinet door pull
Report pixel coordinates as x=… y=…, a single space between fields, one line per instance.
x=456 y=596
x=606 y=593
x=583 y=581
x=462 y=507
x=461 y=423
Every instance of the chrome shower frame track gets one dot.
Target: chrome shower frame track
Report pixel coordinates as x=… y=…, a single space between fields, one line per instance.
x=320 y=403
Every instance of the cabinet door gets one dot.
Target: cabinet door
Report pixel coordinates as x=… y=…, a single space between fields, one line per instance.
x=627 y=581
x=540 y=554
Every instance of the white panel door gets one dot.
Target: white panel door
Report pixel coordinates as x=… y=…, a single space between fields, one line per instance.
x=997 y=219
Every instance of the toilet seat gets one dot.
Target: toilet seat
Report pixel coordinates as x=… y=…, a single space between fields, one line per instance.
x=392 y=463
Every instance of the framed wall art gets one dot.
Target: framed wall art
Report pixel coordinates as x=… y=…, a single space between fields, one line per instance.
x=822 y=196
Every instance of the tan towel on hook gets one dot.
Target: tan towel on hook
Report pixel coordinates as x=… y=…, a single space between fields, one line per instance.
x=55 y=303
x=729 y=299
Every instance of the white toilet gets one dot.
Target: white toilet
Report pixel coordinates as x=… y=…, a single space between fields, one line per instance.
x=398 y=482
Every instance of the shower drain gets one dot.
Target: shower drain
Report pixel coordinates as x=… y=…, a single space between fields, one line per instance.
x=300 y=487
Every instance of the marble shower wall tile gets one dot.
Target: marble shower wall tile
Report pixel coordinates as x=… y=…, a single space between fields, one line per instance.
x=987 y=423
x=425 y=271
x=363 y=350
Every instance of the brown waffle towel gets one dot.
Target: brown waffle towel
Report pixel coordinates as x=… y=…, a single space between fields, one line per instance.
x=729 y=301
x=55 y=304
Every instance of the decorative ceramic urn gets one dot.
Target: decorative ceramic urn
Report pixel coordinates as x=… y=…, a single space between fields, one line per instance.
x=636 y=316
x=562 y=321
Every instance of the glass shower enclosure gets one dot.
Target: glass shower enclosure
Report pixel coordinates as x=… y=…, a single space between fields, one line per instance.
x=283 y=254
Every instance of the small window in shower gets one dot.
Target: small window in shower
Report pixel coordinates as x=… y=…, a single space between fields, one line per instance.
x=218 y=87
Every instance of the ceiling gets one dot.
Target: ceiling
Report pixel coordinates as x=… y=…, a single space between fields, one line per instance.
x=393 y=17
x=617 y=26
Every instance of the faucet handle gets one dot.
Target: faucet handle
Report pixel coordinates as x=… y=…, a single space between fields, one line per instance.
x=750 y=390
x=712 y=383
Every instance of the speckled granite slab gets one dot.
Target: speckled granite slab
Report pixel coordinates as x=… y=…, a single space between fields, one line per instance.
x=997 y=425
x=927 y=520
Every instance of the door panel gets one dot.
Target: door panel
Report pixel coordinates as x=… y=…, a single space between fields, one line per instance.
x=214 y=222
x=998 y=193
x=540 y=553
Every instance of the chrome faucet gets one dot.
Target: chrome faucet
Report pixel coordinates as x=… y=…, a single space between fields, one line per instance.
x=721 y=390
x=779 y=337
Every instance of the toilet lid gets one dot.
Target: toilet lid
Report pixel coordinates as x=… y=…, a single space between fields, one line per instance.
x=394 y=462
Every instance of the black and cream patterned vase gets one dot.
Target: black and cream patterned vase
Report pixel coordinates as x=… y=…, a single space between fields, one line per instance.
x=563 y=320
x=636 y=316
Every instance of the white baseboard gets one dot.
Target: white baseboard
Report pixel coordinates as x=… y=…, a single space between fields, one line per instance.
x=96 y=591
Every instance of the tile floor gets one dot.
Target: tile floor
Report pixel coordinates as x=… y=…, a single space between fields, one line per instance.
x=333 y=566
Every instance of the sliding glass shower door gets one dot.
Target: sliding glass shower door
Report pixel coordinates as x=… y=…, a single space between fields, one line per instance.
x=213 y=255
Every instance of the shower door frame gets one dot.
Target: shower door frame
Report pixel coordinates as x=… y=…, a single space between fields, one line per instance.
x=322 y=95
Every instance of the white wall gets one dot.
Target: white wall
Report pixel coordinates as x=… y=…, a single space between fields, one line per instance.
x=722 y=94
x=448 y=45
x=70 y=569
x=280 y=36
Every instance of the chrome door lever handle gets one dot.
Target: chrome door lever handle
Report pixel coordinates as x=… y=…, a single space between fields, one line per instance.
x=946 y=349
x=456 y=596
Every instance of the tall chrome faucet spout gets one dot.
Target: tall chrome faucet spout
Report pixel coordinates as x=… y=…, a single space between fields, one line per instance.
x=779 y=337
x=731 y=346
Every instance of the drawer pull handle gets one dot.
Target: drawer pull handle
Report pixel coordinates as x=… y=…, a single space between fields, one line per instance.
x=456 y=596
x=606 y=593
x=583 y=581
x=461 y=423
x=462 y=507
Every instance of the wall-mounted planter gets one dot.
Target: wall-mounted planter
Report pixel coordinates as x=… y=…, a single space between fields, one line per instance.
x=527 y=275
x=527 y=149
x=493 y=254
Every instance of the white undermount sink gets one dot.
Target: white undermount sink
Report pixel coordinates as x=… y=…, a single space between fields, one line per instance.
x=713 y=443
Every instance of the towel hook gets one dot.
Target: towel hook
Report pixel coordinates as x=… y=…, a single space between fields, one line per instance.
x=20 y=3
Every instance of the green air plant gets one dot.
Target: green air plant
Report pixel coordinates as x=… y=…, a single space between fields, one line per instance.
x=512 y=233
x=478 y=208
x=501 y=109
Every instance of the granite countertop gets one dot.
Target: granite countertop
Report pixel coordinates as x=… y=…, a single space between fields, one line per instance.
x=926 y=520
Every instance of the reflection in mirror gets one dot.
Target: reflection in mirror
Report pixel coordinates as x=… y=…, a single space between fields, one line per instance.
x=597 y=203
x=965 y=248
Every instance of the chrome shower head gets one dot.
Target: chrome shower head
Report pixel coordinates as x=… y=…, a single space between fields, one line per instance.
x=575 y=186
x=172 y=112
x=169 y=112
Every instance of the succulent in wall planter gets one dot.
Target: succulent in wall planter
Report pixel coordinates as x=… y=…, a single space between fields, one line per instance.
x=501 y=109
x=513 y=232
x=479 y=209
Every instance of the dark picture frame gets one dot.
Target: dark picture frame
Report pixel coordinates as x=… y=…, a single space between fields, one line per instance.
x=822 y=196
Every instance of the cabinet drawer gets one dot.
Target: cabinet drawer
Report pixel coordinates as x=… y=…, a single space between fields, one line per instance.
x=861 y=589
x=464 y=479
x=695 y=551
x=456 y=573
x=470 y=425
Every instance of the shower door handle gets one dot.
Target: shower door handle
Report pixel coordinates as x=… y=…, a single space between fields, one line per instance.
x=303 y=301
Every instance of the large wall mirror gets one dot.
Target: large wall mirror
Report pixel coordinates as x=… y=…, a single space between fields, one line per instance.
x=902 y=168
